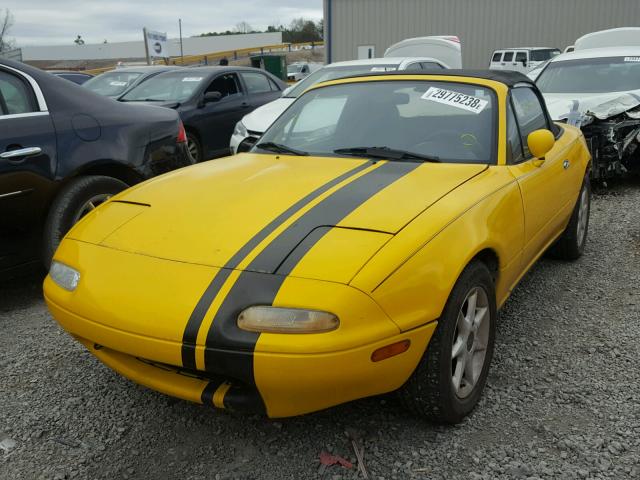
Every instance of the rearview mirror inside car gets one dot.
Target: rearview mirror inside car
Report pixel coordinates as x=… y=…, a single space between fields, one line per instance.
x=540 y=142
x=212 y=97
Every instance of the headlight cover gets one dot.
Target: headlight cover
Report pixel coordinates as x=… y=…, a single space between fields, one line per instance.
x=286 y=320
x=240 y=130
x=64 y=276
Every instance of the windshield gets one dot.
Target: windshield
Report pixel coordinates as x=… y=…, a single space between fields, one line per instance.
x=294 y=68
x=591 y=75
x=331 y=73
x=112 y=84
x=542 y=55
x=452 y=122
x=176 y=86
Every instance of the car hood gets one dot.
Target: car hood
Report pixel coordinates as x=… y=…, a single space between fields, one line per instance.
x=208 y=213
x=581 y=109
x=262 y=117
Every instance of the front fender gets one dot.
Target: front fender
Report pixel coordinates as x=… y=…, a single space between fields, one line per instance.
x=441 y=242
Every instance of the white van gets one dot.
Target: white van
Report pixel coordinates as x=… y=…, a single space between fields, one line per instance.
x=445 y=48
x=521 y=60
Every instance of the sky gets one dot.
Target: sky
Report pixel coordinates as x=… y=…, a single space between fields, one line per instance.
x=58 y=22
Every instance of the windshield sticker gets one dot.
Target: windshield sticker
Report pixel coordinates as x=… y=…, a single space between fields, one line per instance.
x=191 y=79
x=455 y=99
x=117 y=83
x=383 y=69
x=632 y=59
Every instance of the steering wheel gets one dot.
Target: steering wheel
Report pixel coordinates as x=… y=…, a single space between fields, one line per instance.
x=465 y=139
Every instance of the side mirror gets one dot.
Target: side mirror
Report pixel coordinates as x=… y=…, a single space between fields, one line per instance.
x=212 y=97
x=540 y=143
x=524 y=63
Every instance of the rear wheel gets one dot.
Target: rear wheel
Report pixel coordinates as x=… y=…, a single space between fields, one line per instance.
x=448 y=382
x=77 y=198
x=570 y=245
x=194 y=147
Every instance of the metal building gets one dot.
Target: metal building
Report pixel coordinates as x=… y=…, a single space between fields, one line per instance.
x=359 y=28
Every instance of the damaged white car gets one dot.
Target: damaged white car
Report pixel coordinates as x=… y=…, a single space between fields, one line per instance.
x=598 y=90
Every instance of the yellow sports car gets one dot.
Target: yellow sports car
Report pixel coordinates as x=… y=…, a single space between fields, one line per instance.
x=363 y=246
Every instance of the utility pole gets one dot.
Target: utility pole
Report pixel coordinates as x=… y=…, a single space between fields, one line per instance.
x=181 y=53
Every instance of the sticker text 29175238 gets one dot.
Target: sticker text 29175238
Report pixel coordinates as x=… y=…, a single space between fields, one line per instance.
x=455 y=99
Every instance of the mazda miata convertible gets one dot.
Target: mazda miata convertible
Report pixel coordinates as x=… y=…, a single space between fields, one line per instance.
x=363 y=246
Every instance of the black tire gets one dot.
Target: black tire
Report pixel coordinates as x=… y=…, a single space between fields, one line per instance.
x=429 y=392
x=69 y=205
x=194 y=147
x=570 y=245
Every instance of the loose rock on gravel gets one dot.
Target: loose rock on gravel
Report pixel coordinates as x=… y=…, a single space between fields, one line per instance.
x=562 y=400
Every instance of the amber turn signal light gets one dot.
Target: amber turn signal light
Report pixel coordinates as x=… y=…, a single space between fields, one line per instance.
x=390 y=350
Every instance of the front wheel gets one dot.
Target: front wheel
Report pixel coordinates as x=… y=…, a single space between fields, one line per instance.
x=74 y=201
x=570 y=245
x=448 y=382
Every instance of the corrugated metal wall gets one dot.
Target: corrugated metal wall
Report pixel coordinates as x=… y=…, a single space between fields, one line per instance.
x=482 y=25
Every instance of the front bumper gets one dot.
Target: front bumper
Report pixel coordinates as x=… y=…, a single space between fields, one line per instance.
x=286 y=384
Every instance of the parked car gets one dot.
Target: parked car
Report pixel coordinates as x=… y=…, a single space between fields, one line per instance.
x=598 y=90
x=250 y=128
x=446 y=48
x=298 y=70
x=210 y=101
x=63 y=151
x=116 y=83
x=352 y=253
x=521 y=60
x=76 y=77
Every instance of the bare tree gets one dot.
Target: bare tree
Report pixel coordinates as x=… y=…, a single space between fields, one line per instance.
x=243 y=27
x=6 y=22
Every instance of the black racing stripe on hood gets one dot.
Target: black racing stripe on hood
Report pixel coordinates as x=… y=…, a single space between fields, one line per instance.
x=190 y=334
x=254 y=288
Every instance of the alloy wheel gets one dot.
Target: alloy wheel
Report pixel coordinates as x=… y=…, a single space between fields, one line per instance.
x=470 y=340
x=90 y=205
x=583 y=216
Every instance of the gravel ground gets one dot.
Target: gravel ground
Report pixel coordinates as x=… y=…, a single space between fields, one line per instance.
x=562 y=400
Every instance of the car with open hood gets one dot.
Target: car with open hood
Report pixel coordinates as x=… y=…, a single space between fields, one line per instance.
x=363 y=246
x=598 y=90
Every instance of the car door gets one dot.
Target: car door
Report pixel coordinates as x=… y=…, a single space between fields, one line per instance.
x=496 y=61
x=521 y=62
x=507 y=61
x=543 y=184
x=260 y=88
x=27 y=164
x=215 y=120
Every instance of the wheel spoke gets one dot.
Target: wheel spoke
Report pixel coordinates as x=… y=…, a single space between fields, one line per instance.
x=472 y=300
x=469 y=371
x=464 y=325
x=457 y=376
x=458 y=347
x=479 y=317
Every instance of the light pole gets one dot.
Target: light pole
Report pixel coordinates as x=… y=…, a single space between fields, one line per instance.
x=181 y=53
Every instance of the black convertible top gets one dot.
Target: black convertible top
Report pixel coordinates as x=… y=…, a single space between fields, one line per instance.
x=507 y=77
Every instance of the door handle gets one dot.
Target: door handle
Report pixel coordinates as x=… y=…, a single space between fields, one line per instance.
x=245 y=105
x=566 y=164
x=21 y=153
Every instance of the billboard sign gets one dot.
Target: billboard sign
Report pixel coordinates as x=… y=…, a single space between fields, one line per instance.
x=156 y=43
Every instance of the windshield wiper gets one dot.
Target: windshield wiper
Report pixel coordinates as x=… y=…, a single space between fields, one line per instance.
x=386 y=153
x=279 y=148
